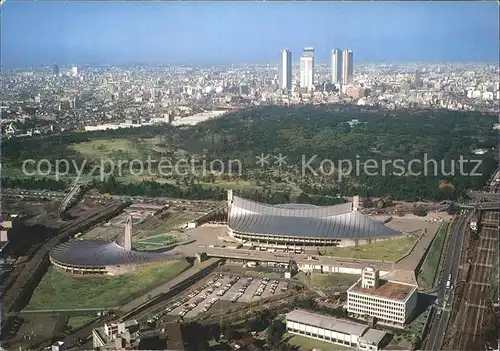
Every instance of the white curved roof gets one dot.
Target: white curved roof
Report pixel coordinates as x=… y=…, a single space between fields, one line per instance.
x=338 y=221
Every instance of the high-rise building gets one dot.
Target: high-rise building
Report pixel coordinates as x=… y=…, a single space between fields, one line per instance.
x=347 y=66
x=418 y=79
x=307 y=69
x=74 y=71
x=336 y=66
x=55 y=70
x=286 y=70
x=308 y=52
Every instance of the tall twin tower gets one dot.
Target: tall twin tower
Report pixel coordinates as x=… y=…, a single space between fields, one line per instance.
x=341 y=65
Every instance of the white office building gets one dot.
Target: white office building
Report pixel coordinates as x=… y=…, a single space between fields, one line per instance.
x=74 y=71
x=286 y=70
x=347 y=67
x=384 y=301
x=336 y=66
x=334 y=330
x=307 y=69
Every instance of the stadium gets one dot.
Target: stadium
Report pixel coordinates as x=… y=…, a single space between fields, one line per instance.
x=303 y=225
x=101 y=257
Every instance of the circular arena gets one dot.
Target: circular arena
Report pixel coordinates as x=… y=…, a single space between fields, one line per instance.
x=101 y=257
x=303 y=225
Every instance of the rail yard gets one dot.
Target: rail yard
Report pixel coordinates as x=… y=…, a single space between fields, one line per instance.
x=475 y=319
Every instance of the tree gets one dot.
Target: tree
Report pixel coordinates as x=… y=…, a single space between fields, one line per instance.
x=420 y=211
x=453 y=208
x=417 y=342
x=275 y=333
x=228 y=332
x=368 y=203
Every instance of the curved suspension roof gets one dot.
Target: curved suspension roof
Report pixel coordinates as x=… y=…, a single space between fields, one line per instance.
x=329 y=222
x=100 y=253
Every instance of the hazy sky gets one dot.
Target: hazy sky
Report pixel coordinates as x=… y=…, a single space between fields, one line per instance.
x=39 y=33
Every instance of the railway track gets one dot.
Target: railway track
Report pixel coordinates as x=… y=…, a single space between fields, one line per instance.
x=475 y=310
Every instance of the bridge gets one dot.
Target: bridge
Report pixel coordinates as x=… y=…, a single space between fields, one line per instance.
x=484 y=196
x=481 y=206
x=76 y=190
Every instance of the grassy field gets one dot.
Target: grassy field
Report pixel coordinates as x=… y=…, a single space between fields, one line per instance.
x=324 y=281
x=155 y=242
x=306 y=344
x=76 y=322
x=425 y=277
x=117 y=148
x=388 y=250
x=59 y=291
x=162 y=239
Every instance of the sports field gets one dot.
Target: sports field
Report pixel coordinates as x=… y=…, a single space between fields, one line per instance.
x=155 y=242
x=388 y=250
x=59 y=291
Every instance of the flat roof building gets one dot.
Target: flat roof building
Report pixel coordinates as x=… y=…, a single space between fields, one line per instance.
x=116 y=336
x=384 y=301
x=334 y=330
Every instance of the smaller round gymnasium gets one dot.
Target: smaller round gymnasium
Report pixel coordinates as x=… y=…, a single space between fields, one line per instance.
x=101 y=257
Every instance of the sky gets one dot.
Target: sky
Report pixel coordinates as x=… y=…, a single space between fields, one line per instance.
x=199 y=33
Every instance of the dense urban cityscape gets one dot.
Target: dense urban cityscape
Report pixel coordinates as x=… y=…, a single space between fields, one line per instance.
x=97 y=98
x=317 y=202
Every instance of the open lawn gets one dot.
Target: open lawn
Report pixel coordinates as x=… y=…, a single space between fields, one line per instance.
x=425 y=277
x=125 y=149
x=388 y=250
x=307 y=344
x=59 y=291
x=162 y=239
x=75 y=322
x=325 y=281
x=155 y=242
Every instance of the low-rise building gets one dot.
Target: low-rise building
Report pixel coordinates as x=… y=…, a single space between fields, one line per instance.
x=334 y=330
x=384 y=301
x=116 y=336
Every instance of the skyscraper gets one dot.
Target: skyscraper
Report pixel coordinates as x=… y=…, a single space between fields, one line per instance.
x=55 y=70
x=336 y=66
x=308 y=52
x=347 y=66
x=307 y=69
x=286 y=70
x=74 y=71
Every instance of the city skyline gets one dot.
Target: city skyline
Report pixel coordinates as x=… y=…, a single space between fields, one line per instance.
x=192 y=33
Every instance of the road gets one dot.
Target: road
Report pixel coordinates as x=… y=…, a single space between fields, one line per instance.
x=452 y=259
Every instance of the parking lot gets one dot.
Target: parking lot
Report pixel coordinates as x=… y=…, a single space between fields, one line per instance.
x=225 y=288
